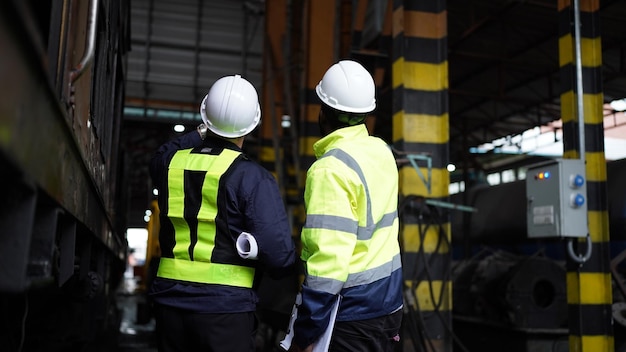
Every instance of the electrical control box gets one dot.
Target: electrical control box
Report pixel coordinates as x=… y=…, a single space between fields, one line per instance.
x=556 y=195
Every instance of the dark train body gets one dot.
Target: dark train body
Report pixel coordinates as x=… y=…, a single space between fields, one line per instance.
x=62 y=216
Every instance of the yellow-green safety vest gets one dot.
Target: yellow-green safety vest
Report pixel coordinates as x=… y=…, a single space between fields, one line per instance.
x=192 y=260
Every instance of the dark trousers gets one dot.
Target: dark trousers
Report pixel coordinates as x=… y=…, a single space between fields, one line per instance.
x=375 y=335
x=182 y=331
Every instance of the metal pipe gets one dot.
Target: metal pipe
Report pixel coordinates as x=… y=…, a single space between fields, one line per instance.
x=580 y=259
x=244 y=42
x=579 y=82
x=196 y=62
x=288 y=64
x=91 y=43
x=146 y=65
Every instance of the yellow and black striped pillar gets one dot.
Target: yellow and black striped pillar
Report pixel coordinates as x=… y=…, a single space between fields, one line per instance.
x=421 y=130
x=589 y=294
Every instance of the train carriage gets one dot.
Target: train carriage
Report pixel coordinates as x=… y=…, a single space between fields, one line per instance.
x=62 y=216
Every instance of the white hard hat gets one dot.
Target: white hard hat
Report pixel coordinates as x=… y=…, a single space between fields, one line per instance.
x=347 y=86
x=231 y=108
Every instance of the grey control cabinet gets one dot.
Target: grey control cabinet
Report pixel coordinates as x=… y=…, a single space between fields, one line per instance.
x=556 y=194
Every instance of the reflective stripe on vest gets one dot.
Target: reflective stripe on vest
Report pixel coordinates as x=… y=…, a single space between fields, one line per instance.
x=193 y=246
x=206 y=273
x=363 y=278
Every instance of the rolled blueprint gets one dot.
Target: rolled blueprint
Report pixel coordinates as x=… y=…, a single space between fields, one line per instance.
x=247 y=246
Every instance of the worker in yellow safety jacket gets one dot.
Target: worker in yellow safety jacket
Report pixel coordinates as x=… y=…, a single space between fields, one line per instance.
x=222 y=219
x=350 y=237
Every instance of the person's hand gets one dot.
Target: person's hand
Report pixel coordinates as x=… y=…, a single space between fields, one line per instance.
x=202 y=130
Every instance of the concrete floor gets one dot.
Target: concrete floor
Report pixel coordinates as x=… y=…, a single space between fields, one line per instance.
x=136 y=334
x=137 y=329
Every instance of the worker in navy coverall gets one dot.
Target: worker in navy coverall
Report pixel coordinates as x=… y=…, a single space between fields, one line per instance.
x=209 y=193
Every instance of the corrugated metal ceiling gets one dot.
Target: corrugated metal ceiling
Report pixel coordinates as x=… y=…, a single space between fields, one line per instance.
x=180 y=47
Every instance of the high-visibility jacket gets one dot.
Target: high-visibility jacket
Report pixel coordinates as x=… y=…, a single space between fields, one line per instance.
x=203 y=208
x=350 y=236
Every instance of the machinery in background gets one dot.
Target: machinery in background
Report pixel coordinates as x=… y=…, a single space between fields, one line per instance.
x=501 y=216
x=507 y=300
x=556 y=192
x=62 y=215
x=520 y=292
x=514 y=284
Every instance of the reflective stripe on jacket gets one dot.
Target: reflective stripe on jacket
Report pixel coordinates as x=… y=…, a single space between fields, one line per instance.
x=192 y=207
x=350 y=237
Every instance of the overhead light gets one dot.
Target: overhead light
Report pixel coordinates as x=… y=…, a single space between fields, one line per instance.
x=451 y=167
x=286 y=121
x=618 y=105
x=179 y=128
